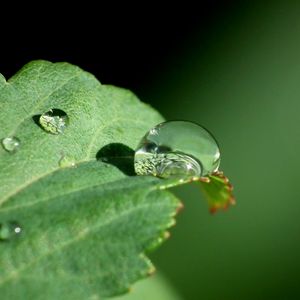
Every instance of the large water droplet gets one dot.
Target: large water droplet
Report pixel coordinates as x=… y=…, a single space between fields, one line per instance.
x=11 y=144
x=66 y=162
x=177 y=148
x=54 y=121
x=9 y=230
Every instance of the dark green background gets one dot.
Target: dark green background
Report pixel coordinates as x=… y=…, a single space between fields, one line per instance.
x=243 y=84
x=233 y=66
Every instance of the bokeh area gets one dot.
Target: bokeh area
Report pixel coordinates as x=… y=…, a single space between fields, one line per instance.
x=244 y=85
x=234 y=68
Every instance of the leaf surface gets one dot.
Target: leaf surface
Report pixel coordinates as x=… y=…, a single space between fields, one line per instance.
x=85 y=229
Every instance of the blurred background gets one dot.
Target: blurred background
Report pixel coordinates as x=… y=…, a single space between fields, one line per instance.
x=234 y=67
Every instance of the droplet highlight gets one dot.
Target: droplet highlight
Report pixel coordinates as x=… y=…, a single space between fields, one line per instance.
x=11 y=144
x=177 y=148
x=54 y=121
x=9 y=230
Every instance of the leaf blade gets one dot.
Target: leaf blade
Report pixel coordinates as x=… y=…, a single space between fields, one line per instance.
x=85 y=229
x=218 y=192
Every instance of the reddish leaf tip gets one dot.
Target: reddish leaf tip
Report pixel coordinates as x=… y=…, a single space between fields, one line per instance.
x=213 y=210
x=229 y=186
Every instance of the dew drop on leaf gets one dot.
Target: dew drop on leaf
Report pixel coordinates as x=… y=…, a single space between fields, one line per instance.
x=66 y=162
x=177 y=148
x=11 y=144
x=54 y=121
x=9 y=230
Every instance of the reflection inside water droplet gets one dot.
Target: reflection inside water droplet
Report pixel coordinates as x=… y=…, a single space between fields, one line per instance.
x=177 y=148
x=9 y=230
x=54 y=121
x=11 y=144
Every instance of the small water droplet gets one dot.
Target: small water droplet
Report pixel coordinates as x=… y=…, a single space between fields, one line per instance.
x=54 y=121
x=66 y=162
x=177 y=148
x=11 y=144
x=9 y=230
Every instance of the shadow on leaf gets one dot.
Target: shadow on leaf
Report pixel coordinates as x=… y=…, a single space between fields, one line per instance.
x=119 y=155
x=36 y=120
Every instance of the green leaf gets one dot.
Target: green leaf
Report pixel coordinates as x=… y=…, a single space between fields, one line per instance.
x=218 y=191
x=216 y=188
x=85 y=229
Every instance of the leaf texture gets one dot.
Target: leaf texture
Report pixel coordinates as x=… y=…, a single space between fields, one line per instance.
x=85 y=229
